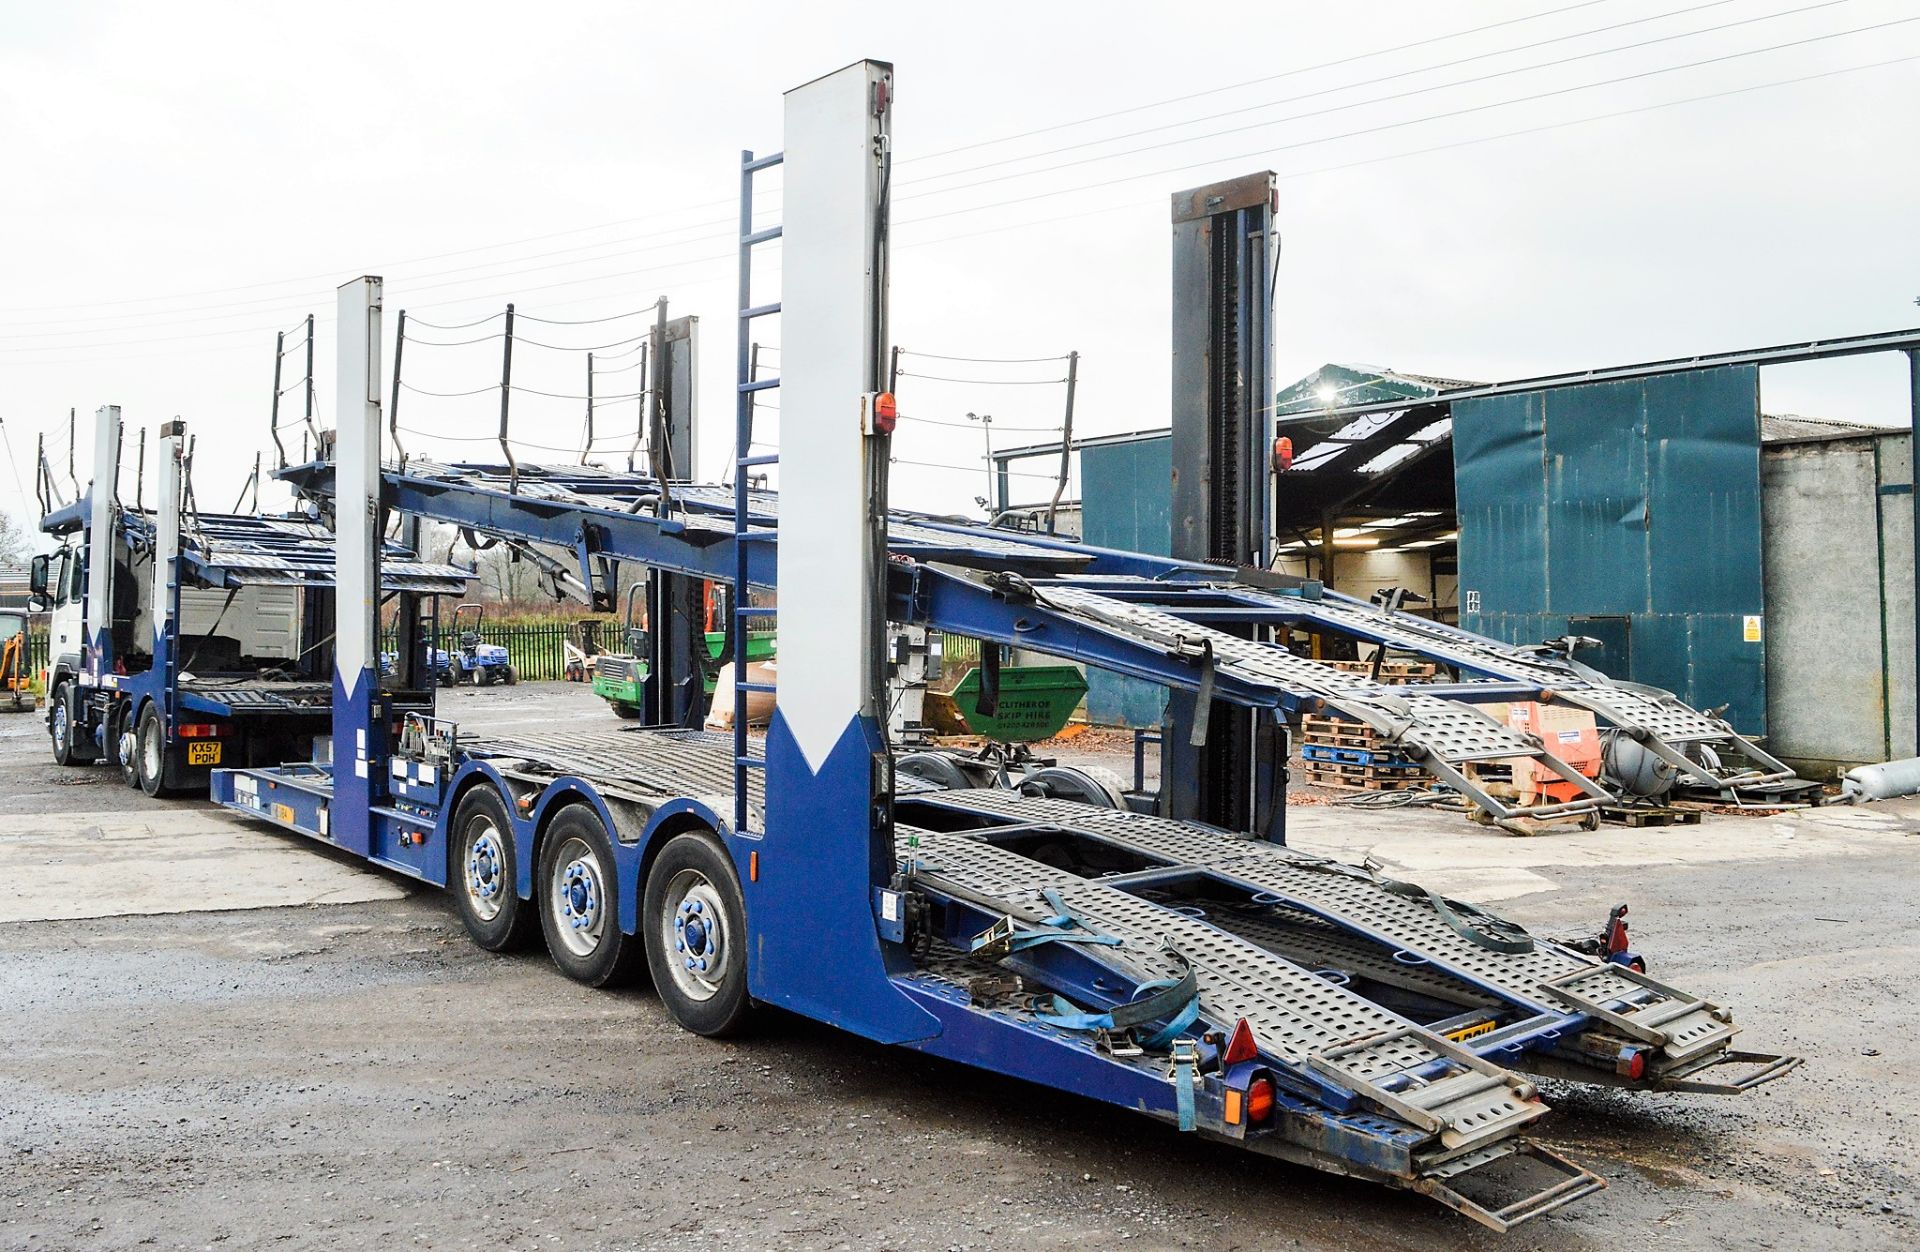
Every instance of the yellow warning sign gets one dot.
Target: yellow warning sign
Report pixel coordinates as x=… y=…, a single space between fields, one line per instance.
x=1750 y=628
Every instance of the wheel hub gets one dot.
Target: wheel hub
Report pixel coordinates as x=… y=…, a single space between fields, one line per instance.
x=696 y=927
x=486 y=873
x=696 y=935
x=577 y=897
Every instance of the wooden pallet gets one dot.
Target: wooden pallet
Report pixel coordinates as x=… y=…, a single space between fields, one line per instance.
x=1336 y=782
x=1639 y=817
x=1317 y=753
x=1398 y=673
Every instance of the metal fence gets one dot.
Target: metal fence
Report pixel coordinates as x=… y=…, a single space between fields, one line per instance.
x=535 y=651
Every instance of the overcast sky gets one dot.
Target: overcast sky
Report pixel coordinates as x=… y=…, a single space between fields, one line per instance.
x=182 y=180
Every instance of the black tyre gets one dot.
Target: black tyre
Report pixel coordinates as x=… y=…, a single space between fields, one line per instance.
x=621 y=709
x=695 y=921
x=579 y=893
x=509 y=675
x=446 y=678
x=1088 y=784
x=63 y=724
x=150 y=752
x=482 y=873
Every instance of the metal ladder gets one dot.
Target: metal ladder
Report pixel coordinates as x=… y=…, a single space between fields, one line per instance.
x=746 y=387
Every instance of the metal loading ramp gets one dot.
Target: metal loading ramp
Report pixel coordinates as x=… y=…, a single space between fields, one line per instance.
x=1307 y=1021
x=1405 y=931
x=1660 y=721
x=1442 y=734
x=1447 y=1115
x=1287 y=942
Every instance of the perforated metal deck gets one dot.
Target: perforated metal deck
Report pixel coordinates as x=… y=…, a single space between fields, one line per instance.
x=1453 y=732
x=650 y=764
x=1299 y=1016
x=1406 y=929
x=1672 y=722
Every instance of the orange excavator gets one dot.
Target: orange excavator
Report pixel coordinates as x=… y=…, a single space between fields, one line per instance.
x=16 y=685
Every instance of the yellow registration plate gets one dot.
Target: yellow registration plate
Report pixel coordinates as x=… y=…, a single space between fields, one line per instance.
x=205 y=752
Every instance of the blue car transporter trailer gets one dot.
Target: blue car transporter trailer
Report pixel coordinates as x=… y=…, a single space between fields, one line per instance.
x=184 y=640
x=1224 y=985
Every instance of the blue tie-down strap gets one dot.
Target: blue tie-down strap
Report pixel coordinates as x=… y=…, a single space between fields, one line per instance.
x=1173 y=1000
x=1004 y=938
x=1185 y=1076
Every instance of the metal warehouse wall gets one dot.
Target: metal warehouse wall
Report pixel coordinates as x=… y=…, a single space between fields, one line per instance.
x=1126 y=494
x=1839 y=561
x=1628 y=511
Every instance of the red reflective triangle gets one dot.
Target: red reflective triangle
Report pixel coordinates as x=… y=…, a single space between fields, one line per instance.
x=1241 y=1046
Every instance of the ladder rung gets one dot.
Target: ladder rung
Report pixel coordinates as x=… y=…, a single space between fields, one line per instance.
x=765 y=689
x=762 y=384
x=761 y=236
x=761 y=310
x=765 y=458
x=764 y=610
x=758 y=536
x=750 y=762
x=762 y=163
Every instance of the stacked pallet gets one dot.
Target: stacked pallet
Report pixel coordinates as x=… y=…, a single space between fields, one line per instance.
x=1395 y=672
x=1335 y=752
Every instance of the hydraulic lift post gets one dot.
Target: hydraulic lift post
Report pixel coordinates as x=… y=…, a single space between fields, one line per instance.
x=676 y=610
x=1223 y=765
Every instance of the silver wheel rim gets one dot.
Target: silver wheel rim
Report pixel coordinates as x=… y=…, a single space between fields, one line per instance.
x=486 y=868
x=578 y=897
x=693 y=926
x=150 y=751
x=60 y=722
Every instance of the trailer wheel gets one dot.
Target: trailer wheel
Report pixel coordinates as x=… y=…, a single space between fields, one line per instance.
x=150 y=752
x=63 y=715
x=481 y=873
x=580 y=901
x=695 y=921
x=1088 y=784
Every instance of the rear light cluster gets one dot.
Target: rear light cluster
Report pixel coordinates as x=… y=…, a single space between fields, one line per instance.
x=205 y=730
x=1259 y=1100
x=1256 y=1106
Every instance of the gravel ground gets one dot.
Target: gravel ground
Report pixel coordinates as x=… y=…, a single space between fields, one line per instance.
x=360 y=1076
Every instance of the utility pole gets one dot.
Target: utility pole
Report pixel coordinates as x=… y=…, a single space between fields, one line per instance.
x=1913 y=491
x=986 y=428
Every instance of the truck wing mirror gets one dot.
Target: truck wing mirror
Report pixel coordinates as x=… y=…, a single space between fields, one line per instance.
x=37 y=575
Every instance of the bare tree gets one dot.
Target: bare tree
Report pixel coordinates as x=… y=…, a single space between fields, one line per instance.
x=13 y=541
